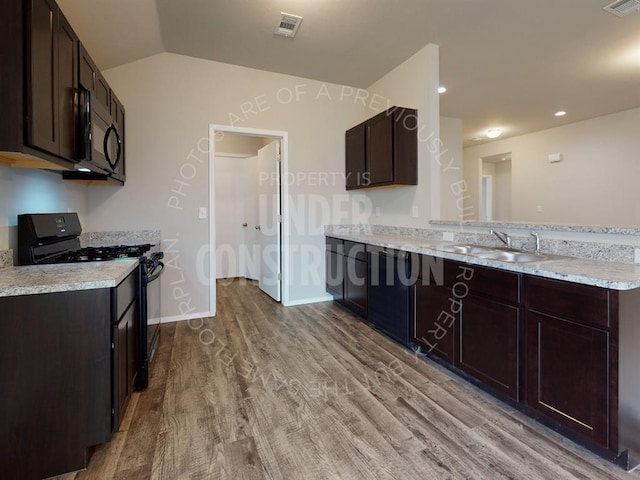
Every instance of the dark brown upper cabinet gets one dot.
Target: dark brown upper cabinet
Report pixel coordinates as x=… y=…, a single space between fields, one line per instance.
x=383 y=150
x=92 y=80
x=39 y=52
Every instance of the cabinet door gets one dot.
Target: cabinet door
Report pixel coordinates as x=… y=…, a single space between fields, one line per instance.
x=119 y=358
x=488 y=348
x=434 y=324
x=379 y=148
x=568 y=374
x=355 y=158
x=92 y=80
x=67 y=88
x=132 y=347
x=355 y=285
x=334 y=274
x=42 y=90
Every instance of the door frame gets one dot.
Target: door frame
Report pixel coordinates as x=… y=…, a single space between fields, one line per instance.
x=486 y=196
x=284 y=199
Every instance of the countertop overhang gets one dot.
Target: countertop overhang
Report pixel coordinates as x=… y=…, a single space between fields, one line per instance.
x=63 y=277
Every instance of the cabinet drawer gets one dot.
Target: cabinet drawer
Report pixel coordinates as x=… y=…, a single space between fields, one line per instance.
x=125 y=293
x=334 y=244
x=579 y=303
x=483 y=281
x=355 y=250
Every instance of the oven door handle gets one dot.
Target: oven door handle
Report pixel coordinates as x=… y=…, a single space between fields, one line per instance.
x=155 y=274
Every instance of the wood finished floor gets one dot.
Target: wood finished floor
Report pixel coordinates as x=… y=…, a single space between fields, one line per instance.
x=311 y=392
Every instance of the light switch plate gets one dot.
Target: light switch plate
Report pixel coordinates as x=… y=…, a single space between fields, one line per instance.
x=447 y=236
x=202 y=213
x=636 y=255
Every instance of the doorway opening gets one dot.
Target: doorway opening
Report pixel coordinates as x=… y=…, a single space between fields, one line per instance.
x=248 y=208
x=495 y=187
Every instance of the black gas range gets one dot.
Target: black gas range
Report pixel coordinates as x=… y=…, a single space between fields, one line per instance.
x=48 y=238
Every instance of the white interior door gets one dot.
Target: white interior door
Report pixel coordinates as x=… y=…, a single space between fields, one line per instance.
x=269 y=219
x=250 y=251
x=229 y=205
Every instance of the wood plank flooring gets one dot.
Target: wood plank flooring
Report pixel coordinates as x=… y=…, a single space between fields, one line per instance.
x=311 y=392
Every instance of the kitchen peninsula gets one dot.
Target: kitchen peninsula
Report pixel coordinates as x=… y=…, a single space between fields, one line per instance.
x=554 y=335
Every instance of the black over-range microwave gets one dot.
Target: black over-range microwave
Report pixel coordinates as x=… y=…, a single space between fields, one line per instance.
x=100 y=142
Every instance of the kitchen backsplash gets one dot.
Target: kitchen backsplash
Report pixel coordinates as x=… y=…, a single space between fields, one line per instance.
x=6 y=258
x=120 y=238
x=594 y=250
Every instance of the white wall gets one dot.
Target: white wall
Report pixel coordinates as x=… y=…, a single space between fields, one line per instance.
x=170 y=101
x=412 y=84
x=450 y=161
x=35 y=191
x=595 y=184
x=240 y=144
x=502 y=191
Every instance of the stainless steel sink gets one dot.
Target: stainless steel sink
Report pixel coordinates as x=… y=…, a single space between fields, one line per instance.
x=515 y=257
x=464 y=249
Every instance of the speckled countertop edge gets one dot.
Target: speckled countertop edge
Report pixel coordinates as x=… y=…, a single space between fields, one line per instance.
x=63 y=277
x=538 y=226
x=613 y=275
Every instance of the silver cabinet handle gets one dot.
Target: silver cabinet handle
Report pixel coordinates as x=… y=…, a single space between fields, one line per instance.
x=257 y=227
x=244 y=224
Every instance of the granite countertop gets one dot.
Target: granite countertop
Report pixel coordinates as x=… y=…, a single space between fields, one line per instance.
x=613 y=275
x=35 y=279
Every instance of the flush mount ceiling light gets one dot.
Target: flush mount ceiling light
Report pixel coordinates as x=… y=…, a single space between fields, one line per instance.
x=494 y=133
x=288 y=25
x=83 y=169
x=560 y=113
x=442 y=89
x=622 y=8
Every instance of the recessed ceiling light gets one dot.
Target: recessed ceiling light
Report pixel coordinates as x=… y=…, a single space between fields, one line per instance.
x=494 y=133
x=442 y=89
x=561 y=113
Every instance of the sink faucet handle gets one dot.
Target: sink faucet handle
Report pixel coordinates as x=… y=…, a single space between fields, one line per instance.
x=503 y=237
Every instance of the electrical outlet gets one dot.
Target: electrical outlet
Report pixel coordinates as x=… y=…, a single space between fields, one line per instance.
x=447 y=236
x=539 y=208
x=377 y=211
x=636 y=252
x=202 y=213
x=414 y=211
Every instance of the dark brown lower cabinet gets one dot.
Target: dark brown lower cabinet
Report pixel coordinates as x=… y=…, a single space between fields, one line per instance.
x=434 y=325
x=488 y=343
x=66 y=371
x=355 y=279
x=55 y=379
x=568 y=375
x=472 y=321
x=346 y=274
x=124 y=362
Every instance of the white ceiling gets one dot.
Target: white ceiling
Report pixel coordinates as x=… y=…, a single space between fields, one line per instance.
x=506 y=63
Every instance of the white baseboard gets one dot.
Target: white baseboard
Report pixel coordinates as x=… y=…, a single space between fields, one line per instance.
x=305 y=301
x=184 y=318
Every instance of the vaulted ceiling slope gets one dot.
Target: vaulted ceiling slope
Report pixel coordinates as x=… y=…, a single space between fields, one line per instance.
x=506 y=63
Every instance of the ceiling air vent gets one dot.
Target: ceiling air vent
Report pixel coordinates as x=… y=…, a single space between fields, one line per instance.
x=288 y=25
x=622 y=8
